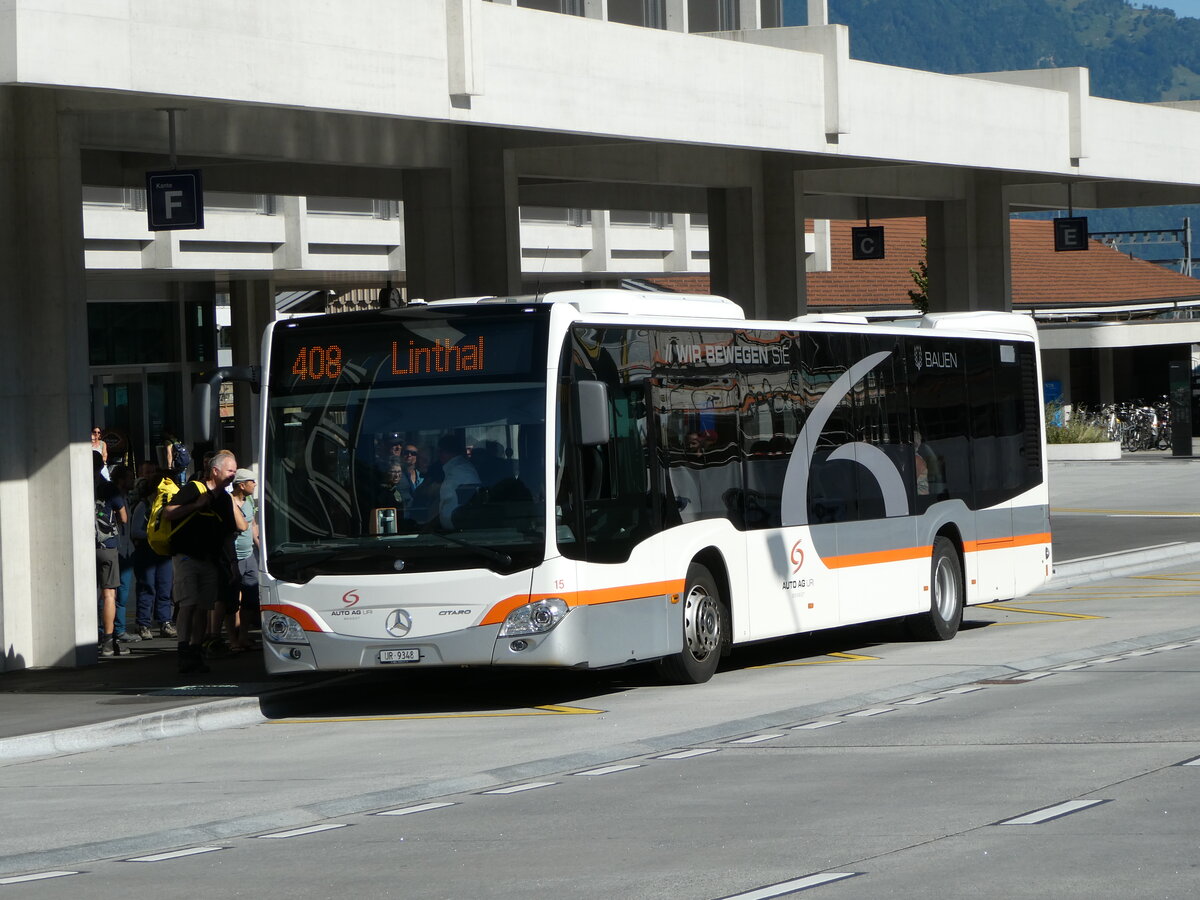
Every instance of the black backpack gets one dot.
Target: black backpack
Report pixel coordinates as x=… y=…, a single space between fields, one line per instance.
x=106 y=522
x=181 y=457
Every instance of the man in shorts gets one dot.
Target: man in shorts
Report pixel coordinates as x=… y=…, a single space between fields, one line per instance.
x=203 y=552
x=110 y=515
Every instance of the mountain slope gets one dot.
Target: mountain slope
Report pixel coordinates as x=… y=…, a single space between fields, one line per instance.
x=1133 y=54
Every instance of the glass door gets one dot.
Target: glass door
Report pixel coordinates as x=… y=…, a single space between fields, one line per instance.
x=119 y=409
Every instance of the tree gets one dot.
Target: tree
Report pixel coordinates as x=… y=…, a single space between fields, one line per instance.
x=920 y=277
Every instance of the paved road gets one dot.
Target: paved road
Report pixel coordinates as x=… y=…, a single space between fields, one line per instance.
x=899 y=800
x=1142 y=500
x=1076 y=784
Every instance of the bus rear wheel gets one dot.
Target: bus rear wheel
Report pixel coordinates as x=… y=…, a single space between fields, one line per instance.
x=705 y=631
x=945 y=596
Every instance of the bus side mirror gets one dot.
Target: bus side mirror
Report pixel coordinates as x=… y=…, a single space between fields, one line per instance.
x=591 y=413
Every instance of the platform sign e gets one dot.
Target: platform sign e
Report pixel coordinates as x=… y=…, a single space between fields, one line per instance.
x=867 y=242
x=174 y=200
x=1070 y=233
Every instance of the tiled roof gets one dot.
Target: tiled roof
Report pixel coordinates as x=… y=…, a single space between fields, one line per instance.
x=1041 y=277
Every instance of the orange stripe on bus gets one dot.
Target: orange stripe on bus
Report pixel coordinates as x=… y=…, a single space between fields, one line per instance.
x=497 y=613
x=307 y=622
x=877 y=556
x=1017 y=540
x=907 y=553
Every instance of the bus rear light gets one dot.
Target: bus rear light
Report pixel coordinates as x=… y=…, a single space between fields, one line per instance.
x=283 y=629
x=535 y=618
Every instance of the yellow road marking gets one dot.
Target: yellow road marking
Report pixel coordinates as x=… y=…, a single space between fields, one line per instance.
x=1036 y=612
x=535 y=711
x=1025 y=622
x=834 y=657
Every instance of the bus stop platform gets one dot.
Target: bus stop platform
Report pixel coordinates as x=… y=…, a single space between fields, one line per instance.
x=1109 y=519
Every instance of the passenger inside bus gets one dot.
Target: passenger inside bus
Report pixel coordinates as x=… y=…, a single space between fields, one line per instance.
x=460 y=479
x=930 y=477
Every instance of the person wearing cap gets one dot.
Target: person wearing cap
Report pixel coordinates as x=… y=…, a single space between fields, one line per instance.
x=245 y=545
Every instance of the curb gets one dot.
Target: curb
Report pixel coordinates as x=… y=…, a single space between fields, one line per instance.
x=184 y=720
x=1117 y=565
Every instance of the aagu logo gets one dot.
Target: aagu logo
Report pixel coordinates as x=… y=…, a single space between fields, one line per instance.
x=350 y=598
x=797 y=557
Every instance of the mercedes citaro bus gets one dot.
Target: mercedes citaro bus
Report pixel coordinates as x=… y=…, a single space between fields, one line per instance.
x=607 y=477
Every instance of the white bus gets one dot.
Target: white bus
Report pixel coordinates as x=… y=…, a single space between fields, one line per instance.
x=611 y=477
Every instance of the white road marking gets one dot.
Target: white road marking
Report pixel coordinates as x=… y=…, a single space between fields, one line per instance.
x=409 y=810
x=36 y=876
x=1139 y=653
x=609 y=770
x=965 y=689
x=1107 y=659
x=688 y=754
x=917 y=701
x=1039 y=816
x=793 y=886
x=824 y=723
x=1191 y=762
x=174 y=854
x=1172 y=646
x=864 y=713
x=1073 y=667
x=518 y=788
x=1030 y=676
x=755 y=739
x=299 y=832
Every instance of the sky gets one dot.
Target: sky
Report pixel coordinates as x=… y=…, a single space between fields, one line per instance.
x=1181 y=7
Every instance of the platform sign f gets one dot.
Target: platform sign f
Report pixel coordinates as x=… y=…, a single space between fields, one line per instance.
x=174 y=200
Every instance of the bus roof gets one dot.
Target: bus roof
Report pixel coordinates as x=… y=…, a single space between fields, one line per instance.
x=622 y=302
x=657 y=304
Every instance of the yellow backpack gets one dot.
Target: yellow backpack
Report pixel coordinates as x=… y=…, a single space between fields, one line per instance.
x=158 y=530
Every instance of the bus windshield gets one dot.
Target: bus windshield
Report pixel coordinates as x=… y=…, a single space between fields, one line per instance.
x=405 y=440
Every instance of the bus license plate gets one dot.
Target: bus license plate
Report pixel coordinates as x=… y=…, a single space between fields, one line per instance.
x=400 y=656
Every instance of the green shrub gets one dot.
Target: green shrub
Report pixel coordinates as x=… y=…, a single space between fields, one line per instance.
x=1078 y=429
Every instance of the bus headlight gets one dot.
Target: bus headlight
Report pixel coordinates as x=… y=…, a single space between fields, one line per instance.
x=283 y=629
x=535 y=618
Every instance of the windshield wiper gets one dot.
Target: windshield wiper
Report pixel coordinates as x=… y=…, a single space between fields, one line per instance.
x=501 y=559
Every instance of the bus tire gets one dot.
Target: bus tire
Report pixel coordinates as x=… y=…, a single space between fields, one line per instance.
x=945 y=596
x=706 y=627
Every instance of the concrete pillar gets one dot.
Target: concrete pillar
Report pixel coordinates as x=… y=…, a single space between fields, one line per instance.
x=733 y=249
x=680 y=256
x=783 y=240
x=47 y=539
x=434 y=245
x=749 y=14
x=251 y=307
x=968 y=249
x=462 y=225
x=493 y=214
x=599 y=258
x=1108 y=388
x=675 y=13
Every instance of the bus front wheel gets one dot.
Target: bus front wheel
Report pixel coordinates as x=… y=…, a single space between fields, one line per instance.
x=705 y=631
x=946 y=596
